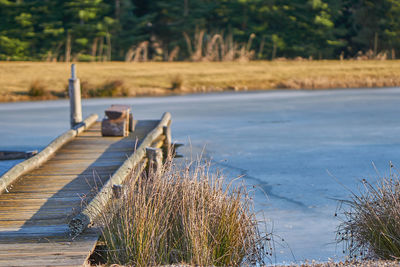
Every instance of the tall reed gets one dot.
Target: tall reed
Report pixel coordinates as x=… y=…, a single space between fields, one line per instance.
x=371 y=225
x=183 y=215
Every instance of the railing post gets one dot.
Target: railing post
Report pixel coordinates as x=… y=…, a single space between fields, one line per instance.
x=167 y=142
x=154 y=156
x=74 y=89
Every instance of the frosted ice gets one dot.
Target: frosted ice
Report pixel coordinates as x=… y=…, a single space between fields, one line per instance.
x=299 y=147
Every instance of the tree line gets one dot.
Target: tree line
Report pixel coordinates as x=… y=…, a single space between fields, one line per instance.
x=213 y=30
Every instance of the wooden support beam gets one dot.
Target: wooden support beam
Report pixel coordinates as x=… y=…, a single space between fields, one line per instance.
x=155 y=157
x=131 y=123
x=166 y=148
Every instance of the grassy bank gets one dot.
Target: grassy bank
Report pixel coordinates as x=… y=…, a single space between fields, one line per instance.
x=19 y=80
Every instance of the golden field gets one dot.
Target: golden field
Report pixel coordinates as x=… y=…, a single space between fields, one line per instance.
x=158 y=78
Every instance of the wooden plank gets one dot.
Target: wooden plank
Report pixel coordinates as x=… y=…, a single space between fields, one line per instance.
x=34 y=215
x=24 y=167
x=56 y=260
x=23 y=223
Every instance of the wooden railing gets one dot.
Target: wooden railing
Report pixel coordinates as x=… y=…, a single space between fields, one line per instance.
x=158 y=138
x=34 y=162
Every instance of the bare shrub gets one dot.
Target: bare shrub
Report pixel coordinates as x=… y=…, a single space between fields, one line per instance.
x=110 y=89
x=177 y=82
x=37 y=89
x=371 y=223
x=183 y=215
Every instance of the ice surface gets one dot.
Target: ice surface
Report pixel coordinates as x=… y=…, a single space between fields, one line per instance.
x=302 y=148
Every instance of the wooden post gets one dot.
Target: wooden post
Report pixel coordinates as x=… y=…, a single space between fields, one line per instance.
x=154 y=156
x=166 y=148
x=74 y=89
x=117 y=190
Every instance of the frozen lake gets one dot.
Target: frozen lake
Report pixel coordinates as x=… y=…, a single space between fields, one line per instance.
x=289 y=143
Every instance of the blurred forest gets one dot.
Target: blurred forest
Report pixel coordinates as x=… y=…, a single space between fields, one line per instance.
x=198 y=30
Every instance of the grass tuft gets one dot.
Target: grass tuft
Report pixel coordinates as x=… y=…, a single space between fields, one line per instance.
x=37 y=89
x=371 y=225
x=113 y=88
x=182 y=215
x=177 y=82
x=109 y=88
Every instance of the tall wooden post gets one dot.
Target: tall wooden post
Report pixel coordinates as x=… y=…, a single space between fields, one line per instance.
x=74 y=89
x=166 y=148
x=154 y=156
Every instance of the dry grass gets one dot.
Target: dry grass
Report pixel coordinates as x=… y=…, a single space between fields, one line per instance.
x=154 y=78
x=182 y=215
x=112 y=88
x=371 y=225
x=350 y=264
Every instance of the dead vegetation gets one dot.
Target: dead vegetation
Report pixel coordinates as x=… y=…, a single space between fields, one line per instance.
x=371 y=220
x=183 y=215
x=157 y=78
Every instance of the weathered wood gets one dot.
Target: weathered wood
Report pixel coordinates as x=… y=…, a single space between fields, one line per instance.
x=39 y=206
x=28 y=165
x=117 y=112
x=35 y=214
x=155 y=158
x=117 y=190
x=166 y=147
x=132 y=123
x=158 y=142
x=12 y=155
x=118 y=121
x=47 y=251
x=117 y=127
x=74 y=89
x=91 y=211
x=168 y=137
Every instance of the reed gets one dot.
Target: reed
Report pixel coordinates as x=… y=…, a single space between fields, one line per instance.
x=182 y=216
x=371 y=225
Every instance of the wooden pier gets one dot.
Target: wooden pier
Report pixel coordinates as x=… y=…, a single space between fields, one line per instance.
x=49 y=202
x=46 y=203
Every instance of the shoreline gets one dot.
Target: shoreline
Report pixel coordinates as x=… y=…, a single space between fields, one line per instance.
x=6 y=99
x=154 y=79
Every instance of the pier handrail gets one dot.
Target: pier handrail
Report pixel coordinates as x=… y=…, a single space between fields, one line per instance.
x=34 y=162
x=95 y=206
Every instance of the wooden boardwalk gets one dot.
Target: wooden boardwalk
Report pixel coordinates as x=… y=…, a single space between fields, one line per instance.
x=35 y=213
